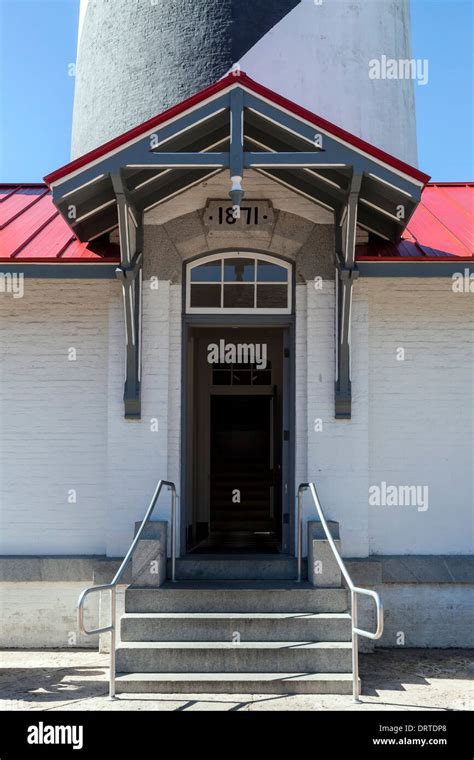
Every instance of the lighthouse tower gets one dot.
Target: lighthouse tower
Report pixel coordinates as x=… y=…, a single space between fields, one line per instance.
x=138 y=57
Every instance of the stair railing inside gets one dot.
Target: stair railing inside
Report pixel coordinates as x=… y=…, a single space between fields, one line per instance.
x=112 y=587
x=356 y=632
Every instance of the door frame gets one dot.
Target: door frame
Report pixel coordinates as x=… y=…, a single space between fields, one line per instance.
x=223 y=320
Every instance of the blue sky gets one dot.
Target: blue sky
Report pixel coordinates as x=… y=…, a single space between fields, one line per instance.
x=38 y=44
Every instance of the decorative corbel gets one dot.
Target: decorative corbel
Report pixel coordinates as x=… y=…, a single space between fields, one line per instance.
x=346 y=274
x=130 y=275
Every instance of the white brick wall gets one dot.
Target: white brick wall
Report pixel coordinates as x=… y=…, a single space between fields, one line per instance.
x=53 y=417
x=412 y=421
x=137 y=455
x=337 y=455
x=62 y=424
x=421 y=412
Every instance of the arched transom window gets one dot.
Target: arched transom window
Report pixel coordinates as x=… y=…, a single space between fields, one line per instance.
x=238 y=283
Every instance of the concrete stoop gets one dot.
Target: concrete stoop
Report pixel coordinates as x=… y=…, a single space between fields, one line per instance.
x=268 y=637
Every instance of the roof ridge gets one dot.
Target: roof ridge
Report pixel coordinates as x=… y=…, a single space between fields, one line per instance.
x=228 y=82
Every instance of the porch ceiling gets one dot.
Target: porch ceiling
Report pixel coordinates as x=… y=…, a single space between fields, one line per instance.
x=198 y=139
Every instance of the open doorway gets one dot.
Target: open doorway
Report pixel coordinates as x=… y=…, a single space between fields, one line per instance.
x=237 y=440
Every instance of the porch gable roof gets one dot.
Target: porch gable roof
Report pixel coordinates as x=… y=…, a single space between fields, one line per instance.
x=198 y=138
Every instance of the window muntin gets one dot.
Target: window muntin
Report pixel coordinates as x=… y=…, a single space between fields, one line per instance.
x=239 y=283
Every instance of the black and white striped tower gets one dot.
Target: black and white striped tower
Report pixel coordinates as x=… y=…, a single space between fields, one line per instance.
x=138 y=57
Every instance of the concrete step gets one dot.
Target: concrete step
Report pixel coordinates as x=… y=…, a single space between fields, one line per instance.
x=229 y=657
x=221 y=626
x=245 y=567
x=237 y=596
x=247 y=523
x=234 y=683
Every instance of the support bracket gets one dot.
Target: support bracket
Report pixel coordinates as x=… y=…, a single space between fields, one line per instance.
x=130 y=275
x=346 y=274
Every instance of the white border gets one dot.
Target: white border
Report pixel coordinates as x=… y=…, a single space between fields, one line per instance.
x=232 y=255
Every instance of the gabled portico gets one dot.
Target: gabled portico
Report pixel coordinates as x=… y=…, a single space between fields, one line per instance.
x=236 y=125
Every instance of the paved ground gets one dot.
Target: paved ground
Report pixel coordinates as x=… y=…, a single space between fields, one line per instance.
x=411 y=679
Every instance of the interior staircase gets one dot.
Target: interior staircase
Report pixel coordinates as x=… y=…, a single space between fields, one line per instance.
x=231 y=633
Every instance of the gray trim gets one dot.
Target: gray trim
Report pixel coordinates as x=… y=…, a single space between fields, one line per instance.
x=294 y=160
x=372 y=570
x=334 y=148
x=413 y=268
x=290 y=167
x=343 y=385
x=241 y=320
x=129 y=274
x=346 y=275
x=413 y=568
x=62 y=271
x=57 y=569
x=245 y=320
x=137 y=151
x=236 y=157
x=153 y=160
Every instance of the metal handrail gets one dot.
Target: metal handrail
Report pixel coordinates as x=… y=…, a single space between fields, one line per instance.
x=112 y=587
x=356 y=632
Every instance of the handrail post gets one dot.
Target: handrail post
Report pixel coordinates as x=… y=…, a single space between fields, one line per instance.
x=355 y=648
x=173 y=535
x=300 y=534
x=354 y=590
x=113 y=611
x=112 y=587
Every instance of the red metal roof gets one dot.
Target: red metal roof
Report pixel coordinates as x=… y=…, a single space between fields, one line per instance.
x=442 y=226
x=31 y=229
x=255 y=87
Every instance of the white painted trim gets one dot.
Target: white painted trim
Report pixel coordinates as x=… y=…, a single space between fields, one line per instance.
x=152 y=179
x=310 y=171
x=162 y=174
x=95 y=211
x=133 y=216
x=277 y=123
x=389 y=184
x=379 y=234
x=271 y=103
x=125 y=320
x=183 y=189
x=187 y=129
x=191 y=167
x=381 y=210
x=216 y=257
x=294 y=189
x=336 y=326
x=140 y=304
x=102 y=232
x=297 y=166
x=81 y=187
x=149 y=132
x=257 y=96
x=214 y=145
x=324 y=179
